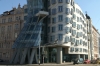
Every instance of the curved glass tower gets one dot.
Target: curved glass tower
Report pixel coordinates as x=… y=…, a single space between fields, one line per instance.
x=31 y=30
x=30 y=36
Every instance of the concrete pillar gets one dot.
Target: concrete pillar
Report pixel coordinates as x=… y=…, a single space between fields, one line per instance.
x=32 y=55
x=13 y=56
x=84 y=57
x=17 y=56
x=36 y=56
x=28 y=55
x=78 y=55
x=24 y=53
x=59 y=55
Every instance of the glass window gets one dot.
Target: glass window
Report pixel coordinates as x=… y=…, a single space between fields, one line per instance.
x=67 y=10
x=48 y=29
x=78 y=34
x=54 y=20
x=72 y=11
x=77 y=42
x=73 y=32
x=71 y=49
x=53 y=1
x=52 y=38
x=25 y=10
x=74 y=24
x=67 y=20
x=60 y=27
x=76 y=49
x=49 y=20
x=25 y=17
x=67 y=29
x=49 y=11
x=73 y=40
x=78 y=26
x=54 y=11
x=74 y=16
x=81 y=42
x=60 y=8
x=77 y=19
x=53 y=29
x=67 y=39
x=67 y=1
x=80 y=49
x=60 y=17
x=60 y=36
x=72 y=2
x=60 y=1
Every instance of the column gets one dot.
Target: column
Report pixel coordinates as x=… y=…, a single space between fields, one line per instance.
x=32 y=55
x=84 y=57
x=78 y=55
x=59 y=55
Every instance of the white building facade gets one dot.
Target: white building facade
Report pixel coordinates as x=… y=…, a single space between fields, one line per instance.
x=67 y=25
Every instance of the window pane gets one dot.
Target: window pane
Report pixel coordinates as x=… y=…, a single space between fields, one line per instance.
x=60 y=27
x=60 y=36
x=60 y=8
x=67 y=20
x=60 y=17
x=67 y=39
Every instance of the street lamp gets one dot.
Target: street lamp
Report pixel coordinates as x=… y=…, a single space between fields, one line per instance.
x=41 y=15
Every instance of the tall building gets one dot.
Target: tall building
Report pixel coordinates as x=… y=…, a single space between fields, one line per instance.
x=68 y=25
x=89 y=35
x=95 y=43
x=63 y=36
x=11 y=23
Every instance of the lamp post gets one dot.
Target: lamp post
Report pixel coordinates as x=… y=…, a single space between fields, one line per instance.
x=41 y=15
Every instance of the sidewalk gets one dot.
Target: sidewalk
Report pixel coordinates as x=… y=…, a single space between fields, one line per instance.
x=54 y=64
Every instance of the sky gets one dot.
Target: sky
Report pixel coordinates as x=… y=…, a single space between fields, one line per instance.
x=91 y=6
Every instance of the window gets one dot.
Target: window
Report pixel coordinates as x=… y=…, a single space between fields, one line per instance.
x=73 y=40
x=71 y=49
x=67 y=39
x=48 y=29
x=74 y=24
x=81 y=42
x=49 y=20
x=67 y=1
x=77 y=42
x=53 y=1
x=60 y=17
x=60 y=36
x=54 y=20
x=25 y=17
x=77 y=19
x=78 y=34
x=67 y=10
x=67 y=29
x=74 y=16
x=54 y=11
x=49 y=11
x=53 y=29
x=76 y=49
x=52 y=38
x=60 y=1
x=72 y=11
x=78 y=27
x=60 y=27
x=80 y=49
x=67 y=20
x=60 y=8
x=73 y=32
x=25 y=10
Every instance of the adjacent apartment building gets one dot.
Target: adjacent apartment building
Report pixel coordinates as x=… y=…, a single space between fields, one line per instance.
x=95 y=42
x=11 y=23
